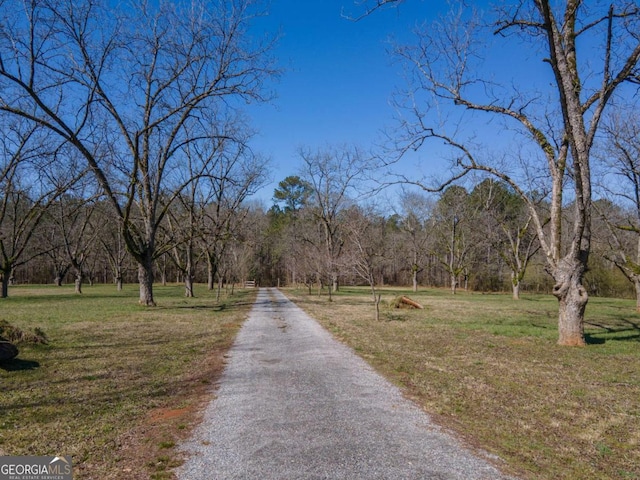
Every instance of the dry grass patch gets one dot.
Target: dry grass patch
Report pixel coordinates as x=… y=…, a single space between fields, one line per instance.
x=489 y=368
x=118 y=384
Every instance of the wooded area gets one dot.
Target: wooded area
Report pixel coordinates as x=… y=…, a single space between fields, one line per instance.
x=479 y=240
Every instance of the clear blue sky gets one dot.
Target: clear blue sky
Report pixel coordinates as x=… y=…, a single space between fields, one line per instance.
x=338 y=77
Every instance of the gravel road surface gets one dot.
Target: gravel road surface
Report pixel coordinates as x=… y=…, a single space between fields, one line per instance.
x=294 y=403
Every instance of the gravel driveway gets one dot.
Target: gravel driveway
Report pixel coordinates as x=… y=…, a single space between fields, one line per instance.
x=294 y=403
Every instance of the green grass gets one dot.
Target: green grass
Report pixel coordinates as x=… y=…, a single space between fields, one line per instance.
x=489 y=368
x=100 y=389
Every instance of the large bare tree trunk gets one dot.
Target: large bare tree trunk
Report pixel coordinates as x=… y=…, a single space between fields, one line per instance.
x=188 y=285
x=572 y=301
x=78 y=283
x=145 y=278
x=515 y=286
x=516 y=279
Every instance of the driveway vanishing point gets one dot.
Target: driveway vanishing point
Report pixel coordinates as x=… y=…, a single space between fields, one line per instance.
x=293 y=403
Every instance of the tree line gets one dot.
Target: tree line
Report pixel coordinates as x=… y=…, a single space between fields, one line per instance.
x=320 y=233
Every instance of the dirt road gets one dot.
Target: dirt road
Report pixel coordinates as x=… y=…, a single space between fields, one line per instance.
x=294 y=403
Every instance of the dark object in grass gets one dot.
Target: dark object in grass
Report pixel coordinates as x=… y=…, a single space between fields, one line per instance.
x=405 y=302
x=8 y=351
x=16 y=335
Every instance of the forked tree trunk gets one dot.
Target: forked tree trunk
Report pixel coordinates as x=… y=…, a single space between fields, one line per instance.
x=145 y=279
x=376 y=301
x=515 y=285
x=414 y=279
x=572 y=301
x=78 y=283
x=119 y=283
x=454 y=283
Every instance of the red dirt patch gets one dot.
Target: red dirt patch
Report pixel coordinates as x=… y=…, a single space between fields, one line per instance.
x=162 y=414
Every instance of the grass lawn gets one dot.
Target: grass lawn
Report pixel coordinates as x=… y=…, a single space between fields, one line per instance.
x=488 y=368
x=118 y=384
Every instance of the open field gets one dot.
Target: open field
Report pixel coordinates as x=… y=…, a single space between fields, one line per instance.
x=488 y=368
x=118 y=384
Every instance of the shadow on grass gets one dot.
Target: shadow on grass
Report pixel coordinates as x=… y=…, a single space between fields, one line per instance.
x=17 y=365
x=226 y=306
x=215 y=308
x=591 y=340
x=623 y=330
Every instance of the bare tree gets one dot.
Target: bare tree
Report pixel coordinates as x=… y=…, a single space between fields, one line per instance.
x=291 y=195
x=508 y=229
x=333 y=174
x=210 y=210
x=234 y=173
x=125 y=85
x=73 y=232
x=622 y=183
x=452 y=227
x=29 y=184
x=366 y=246
x=416 y=210
x=591 y=50
x=112 y=243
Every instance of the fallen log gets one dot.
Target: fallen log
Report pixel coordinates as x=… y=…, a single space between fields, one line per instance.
x=403 y=300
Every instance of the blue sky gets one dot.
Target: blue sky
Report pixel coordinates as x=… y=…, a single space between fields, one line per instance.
x=339 y=77
x=337 y=80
